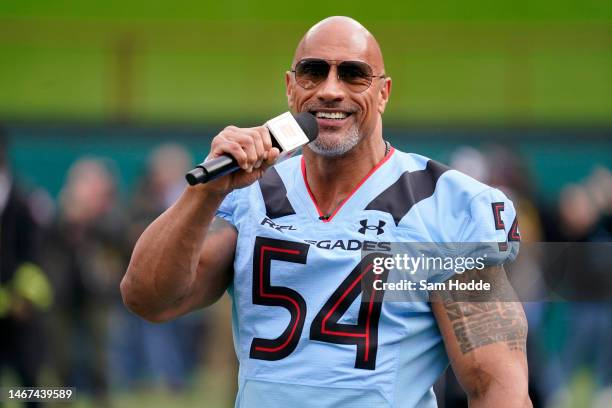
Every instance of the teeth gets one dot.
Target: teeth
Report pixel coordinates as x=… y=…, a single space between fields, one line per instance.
x=332 y=115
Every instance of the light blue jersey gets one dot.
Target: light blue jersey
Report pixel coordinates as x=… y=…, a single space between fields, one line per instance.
x=304 y=333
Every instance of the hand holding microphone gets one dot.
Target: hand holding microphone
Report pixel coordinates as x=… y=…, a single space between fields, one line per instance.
x=253 y=149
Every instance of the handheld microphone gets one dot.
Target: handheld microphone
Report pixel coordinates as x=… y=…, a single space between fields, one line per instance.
x=287 y=133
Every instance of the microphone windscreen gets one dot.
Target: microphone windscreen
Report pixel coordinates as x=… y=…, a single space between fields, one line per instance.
x=309 y=124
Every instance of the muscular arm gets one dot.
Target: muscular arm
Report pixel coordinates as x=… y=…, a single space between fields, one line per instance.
x=485 y=337
x=183 y=260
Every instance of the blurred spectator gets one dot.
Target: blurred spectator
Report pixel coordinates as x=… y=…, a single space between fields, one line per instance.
x=583 y=218
x=472 y=162
x=24 y=289
x=161 y=186
x=599 y=186
x=86 y=255
x=578 y=215
x=170 y=351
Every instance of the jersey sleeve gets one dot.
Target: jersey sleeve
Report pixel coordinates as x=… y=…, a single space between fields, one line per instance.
x=227 y=209
x=489 y=235
x=491 y=229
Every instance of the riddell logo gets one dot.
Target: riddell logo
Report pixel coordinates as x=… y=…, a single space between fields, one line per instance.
x=379 y=228
x=272 y=224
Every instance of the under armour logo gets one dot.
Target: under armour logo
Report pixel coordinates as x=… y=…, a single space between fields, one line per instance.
x=364 y=226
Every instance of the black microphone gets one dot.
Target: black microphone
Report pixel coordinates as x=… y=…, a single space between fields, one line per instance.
x=287 y=133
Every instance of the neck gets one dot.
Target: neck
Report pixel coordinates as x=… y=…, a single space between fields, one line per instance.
x=332 y=179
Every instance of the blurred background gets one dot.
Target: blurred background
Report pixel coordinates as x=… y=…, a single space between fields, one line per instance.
x=104 y=105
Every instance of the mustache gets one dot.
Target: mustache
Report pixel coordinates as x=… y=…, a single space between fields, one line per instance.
x=313 y=106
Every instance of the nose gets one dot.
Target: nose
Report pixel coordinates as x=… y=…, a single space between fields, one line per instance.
x=331 y=89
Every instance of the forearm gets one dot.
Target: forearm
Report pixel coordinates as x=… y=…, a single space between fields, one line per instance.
x=509 y=394
x=492 y=367
x=163 y=266
x=497 y=377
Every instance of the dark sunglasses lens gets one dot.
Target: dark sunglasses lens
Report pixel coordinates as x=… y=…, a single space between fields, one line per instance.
x=357 y=75
x=310 y=73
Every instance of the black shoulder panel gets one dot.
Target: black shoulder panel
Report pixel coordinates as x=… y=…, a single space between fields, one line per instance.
x=275 y=195
x=408 y=190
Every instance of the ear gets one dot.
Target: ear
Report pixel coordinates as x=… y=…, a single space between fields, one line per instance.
x=385 y=93
x=289 y=89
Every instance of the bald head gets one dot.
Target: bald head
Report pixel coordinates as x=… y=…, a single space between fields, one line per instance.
x=341 y=38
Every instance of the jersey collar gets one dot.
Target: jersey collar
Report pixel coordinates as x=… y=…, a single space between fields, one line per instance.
x=324 y=218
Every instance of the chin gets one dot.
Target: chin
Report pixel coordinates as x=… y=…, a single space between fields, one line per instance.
x=334 y=143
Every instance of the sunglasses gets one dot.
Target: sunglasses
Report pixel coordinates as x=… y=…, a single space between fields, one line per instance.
x=356 y=75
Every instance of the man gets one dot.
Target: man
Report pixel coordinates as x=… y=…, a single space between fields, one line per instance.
x=287 y=249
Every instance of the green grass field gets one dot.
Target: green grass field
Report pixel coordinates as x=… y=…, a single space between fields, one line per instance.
x=468 y=62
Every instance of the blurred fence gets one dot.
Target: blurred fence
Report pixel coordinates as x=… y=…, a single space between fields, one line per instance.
x=42 y=154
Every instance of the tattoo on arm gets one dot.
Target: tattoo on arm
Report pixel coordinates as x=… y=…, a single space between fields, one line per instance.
x=478 y=324
x=496 y=317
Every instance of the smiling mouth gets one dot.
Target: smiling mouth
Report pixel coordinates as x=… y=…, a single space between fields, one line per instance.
x=331 y=115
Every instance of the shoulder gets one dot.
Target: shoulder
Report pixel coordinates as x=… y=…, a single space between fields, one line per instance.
x=449 y=197
x=430 y=183
x=417 y=169
x=476 y=218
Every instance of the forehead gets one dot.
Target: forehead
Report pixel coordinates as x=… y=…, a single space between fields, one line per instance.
x=334 y=45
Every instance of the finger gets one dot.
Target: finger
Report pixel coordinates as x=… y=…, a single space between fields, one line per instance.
x=259 y=147
x=217 y=147
x=218 y=141
x=265 y=137
x=245 y=139
x=272 y=157
x=234 y=149
x=251 y=151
